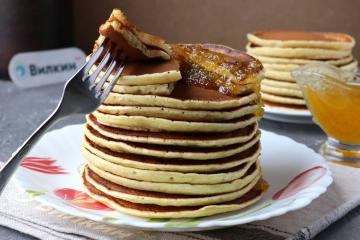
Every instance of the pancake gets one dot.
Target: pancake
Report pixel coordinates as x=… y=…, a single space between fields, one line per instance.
x=146 y=73
x=157 y=89
x=297 y=39
x=302 y=61
x=280 y=84
x=286 y=92
x=279 y=75
x=300 y=108
x=193 y=153
x=289 y=67
x=194 y=98
x=92 y=151
x=157 y=211
x=161 y=199
x=284 y=75
x=128 y=40
x=175 y=138
x=181 y=188
x=162 y=124
x=283 y=100
x=281 y=67
x=181 y=114
x=220 y=176
x=307 y=53
x=351 y=67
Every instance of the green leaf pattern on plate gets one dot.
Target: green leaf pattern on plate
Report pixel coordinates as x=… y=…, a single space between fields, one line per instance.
x=176 y=223
x=109 y=219
x=158 y=220
x=34 y=193
x=186 y=223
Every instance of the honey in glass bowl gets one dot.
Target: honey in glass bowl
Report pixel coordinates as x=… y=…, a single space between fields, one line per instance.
x=333 y=97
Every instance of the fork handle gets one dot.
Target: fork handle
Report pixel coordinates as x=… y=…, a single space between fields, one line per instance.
x=11 y=165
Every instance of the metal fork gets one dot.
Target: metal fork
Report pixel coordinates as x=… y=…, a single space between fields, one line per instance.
x=82 y=94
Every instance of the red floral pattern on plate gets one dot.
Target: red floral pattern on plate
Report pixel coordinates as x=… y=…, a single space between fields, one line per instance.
x=80 y=199
x=43 y=165
x=300 y=182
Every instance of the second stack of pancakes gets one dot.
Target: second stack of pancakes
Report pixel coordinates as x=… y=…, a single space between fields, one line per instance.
x=283 y=51
x=182 y=146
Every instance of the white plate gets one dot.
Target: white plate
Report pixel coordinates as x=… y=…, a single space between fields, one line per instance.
x=51 y=175
x=289 y=115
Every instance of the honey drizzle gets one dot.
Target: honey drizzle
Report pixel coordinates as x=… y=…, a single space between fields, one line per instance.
x=226 y=74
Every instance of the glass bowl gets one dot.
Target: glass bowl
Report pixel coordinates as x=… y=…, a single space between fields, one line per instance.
x=333 y=97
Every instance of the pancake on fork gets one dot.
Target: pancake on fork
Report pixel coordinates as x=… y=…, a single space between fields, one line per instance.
x=178 y=135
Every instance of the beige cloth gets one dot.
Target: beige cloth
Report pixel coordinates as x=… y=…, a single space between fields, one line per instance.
x=24 y=214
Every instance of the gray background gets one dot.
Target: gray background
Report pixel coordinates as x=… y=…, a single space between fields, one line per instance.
x=21 y=111
x=225 y=22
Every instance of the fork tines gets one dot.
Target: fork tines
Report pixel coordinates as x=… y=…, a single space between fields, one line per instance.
x=112 y=61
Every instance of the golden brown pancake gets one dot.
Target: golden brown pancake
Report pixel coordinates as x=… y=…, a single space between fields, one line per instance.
x=135 y=45
x=307 y=36
x=297 y=39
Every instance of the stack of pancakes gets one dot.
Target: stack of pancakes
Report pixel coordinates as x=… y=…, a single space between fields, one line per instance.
x=283 y=51
x=178 y=137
